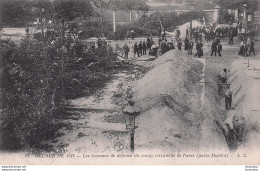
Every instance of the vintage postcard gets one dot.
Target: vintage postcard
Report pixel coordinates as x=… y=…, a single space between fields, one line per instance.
x=166 y=82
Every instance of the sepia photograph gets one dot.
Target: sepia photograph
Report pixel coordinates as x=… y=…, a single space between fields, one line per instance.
x=129 y=82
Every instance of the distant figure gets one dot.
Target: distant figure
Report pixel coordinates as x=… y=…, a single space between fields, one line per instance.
x=163 y=35
x=163 y=47
x=231 y=37
x=199 y=46
x=27 y=30
x=136 y=48
x=214 y=47
x=186 y=43
x=144 y=48
x=219 y=49
x=171 y=45
x=127 y=34
x=190 y=47
x=132 y=32
x=252 y=47
x=246 y=45
x=126 y=50
x=179 y=45
x=228 y=99
x=154 y=49
x=241 y=49
x=149 y=42
x=140 y=48
x=224 y=76
x=131 y=52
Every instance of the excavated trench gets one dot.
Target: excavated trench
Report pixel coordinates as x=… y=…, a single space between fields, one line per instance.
x=233 y=132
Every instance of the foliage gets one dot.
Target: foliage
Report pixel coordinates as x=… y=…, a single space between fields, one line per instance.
x=68 y=10
x=147 y=25
x=37 y=79
x=225 y=17
x=252 y=5
x=14 y=13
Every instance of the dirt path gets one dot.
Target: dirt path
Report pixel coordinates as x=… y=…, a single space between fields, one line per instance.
x=97 y=124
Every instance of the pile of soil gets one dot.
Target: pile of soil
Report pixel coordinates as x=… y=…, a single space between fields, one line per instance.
x=169 y=95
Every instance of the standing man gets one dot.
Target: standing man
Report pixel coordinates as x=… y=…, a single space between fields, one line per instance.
x=228 y=99
x=132 y=32
x=252 y=47
x=241 y=49
x=246 y=45
x=199 y=49
x=164 y=35
x=154 y=49
x=214 y=47
x=179 y=44
x=136 y=49
x=126 y=50
x=149 y=42
x=144 y=48
x=224 y=76
x=127 y=34
x=190 y=47
x=186 y=43
x=219 y=48
x=140 y=48
x=231 y=37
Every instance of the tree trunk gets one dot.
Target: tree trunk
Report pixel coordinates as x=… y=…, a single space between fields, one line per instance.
x=102 y=22
x=191 y=29
x=114 y=21
x=130 y=15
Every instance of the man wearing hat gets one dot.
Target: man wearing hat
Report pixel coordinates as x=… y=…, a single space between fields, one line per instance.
x=224 y=76
x=228 y=99
x=126 y=50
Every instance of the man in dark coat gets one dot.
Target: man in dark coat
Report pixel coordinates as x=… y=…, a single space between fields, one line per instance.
x=186 y=43
x=214 y=48
x=163 y=47
x=179 y=45
x=228 y=99
x=231 y=37
x=190 y=47
x=140 y=49
x=219 y=49
x=199 y=49
x=252 y=47
x=144 y=48
x=149 y=42
x=136 y=49
x=126 y=50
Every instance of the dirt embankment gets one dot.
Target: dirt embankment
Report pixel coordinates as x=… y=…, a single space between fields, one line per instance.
x=246 y=99
x=214 y=108
x=170 y=97
x=245 y=106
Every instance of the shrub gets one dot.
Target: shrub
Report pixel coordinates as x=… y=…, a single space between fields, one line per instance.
x=37 y=36
x=37 y=79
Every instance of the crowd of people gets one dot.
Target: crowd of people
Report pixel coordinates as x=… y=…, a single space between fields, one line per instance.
x=196 y=37
x=137 y=49
x=247 y=47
